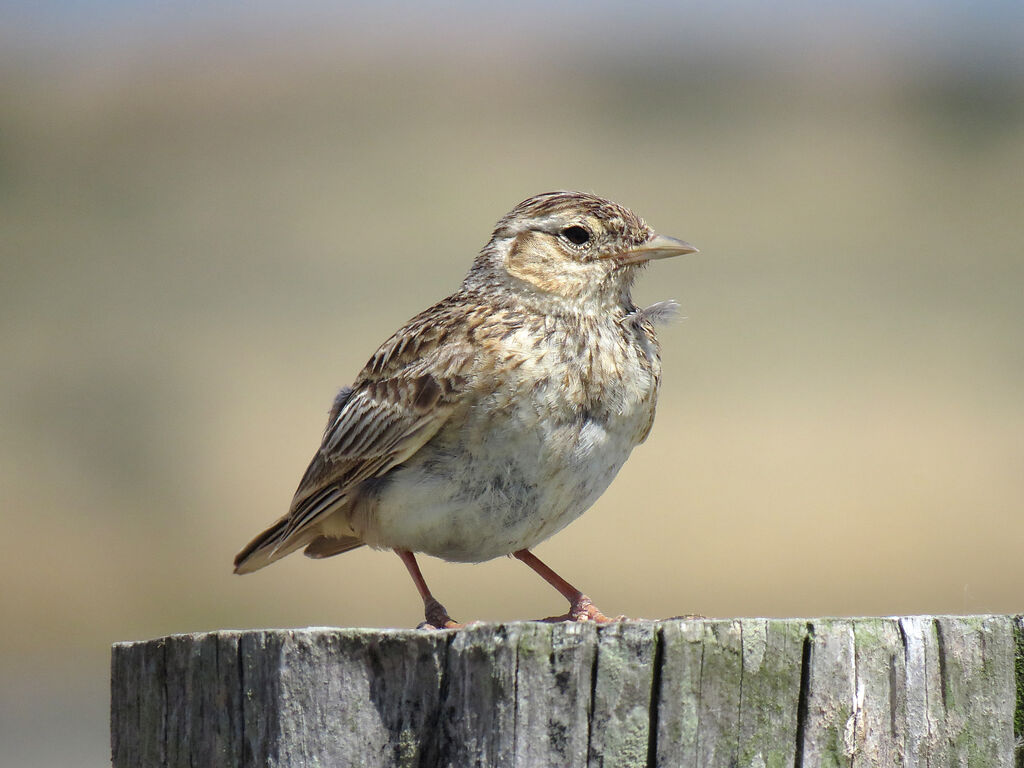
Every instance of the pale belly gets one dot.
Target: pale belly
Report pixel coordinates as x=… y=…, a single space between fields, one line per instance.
x=510 y=491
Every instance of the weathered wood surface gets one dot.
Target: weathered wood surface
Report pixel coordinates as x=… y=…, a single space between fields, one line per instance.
x=916 y=691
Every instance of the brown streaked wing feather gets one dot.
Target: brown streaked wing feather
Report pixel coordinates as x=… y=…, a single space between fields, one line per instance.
x=403 y=396
x=373 y=434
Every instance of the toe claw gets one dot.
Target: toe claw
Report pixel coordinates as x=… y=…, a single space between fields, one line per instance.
x=583 y=609
x=437 y=617
x=426 y=625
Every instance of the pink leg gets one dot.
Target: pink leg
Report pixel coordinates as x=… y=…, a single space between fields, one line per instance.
x=580 y=606
x=436 y=615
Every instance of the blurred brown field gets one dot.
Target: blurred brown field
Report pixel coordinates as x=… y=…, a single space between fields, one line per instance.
x=201 y=246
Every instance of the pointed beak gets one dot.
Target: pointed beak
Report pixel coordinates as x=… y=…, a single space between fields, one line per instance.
x=658 y=247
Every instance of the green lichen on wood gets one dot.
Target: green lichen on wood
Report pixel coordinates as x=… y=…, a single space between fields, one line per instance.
x=980 y=685
x=622 y=697
x=835 y=746
x=770 y=691
x=880 y=713
x=828 y=728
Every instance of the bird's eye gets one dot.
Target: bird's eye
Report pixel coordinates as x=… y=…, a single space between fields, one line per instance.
x=576 y=235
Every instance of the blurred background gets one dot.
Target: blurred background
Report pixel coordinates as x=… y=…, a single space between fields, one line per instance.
x=212 y=213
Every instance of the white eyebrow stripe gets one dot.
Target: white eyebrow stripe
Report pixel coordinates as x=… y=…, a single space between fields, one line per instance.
x=544 y=223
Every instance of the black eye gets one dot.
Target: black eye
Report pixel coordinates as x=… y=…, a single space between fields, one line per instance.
x=576 y=235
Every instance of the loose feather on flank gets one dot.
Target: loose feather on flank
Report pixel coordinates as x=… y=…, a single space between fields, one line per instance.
x=659 y=313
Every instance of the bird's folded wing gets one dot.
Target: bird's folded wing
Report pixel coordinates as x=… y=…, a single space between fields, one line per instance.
x=380 y=424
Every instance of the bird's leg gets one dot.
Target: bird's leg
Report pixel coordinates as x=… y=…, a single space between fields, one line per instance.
x=435 y=614
x=580 y=606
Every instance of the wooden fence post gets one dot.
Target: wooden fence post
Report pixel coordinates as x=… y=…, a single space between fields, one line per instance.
x=914 y=691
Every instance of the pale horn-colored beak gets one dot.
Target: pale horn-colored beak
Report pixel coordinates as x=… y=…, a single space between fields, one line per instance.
x=658 y=247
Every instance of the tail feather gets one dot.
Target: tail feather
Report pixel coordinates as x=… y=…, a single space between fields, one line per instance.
x=271 y=545
x=328 y=546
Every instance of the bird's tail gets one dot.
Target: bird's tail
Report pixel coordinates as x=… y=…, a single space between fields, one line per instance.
x=328 y=546
x=273 y=544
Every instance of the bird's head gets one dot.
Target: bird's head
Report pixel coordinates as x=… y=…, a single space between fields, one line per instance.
x=571 y=247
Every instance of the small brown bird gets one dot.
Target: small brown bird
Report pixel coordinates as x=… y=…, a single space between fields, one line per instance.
x=496 y=417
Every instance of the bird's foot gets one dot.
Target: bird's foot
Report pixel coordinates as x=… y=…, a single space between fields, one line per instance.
x=437 y=616
x=582 y=608
x=434 y=628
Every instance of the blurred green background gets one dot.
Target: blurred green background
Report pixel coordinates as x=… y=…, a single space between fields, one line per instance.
x=210 y=215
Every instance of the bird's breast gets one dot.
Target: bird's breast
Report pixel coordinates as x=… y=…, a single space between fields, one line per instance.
x=583 y=372
x=551 y=418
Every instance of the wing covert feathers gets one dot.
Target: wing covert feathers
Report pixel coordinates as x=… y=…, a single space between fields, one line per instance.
x=403 y=396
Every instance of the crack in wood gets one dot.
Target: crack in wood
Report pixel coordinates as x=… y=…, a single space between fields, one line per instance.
x=593 y=698
x=802 y=700
x=657 y=662
x=940 y=644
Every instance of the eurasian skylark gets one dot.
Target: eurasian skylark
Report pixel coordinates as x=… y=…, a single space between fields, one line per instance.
x=496 y=417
